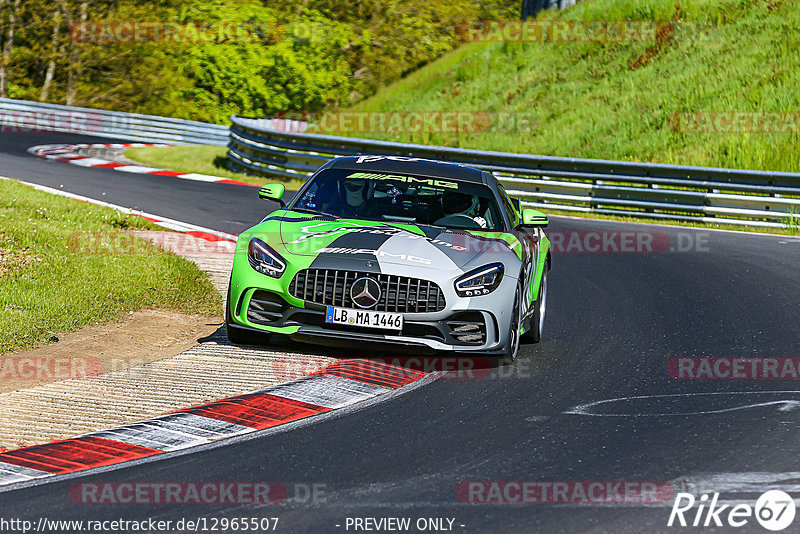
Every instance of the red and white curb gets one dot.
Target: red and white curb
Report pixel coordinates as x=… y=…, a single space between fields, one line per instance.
x=70 y=154
x=342 y=384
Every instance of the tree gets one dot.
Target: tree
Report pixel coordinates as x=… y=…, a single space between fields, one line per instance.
x=8 y=46
x=54 y=50
x=74 y=59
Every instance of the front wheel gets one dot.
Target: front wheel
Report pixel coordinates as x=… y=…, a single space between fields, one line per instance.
x=534 y=333
x=512 y=342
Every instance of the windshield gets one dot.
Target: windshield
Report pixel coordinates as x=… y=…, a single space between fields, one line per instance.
x=402 y=198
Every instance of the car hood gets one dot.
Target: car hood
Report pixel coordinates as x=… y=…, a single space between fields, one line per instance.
x=350 y=243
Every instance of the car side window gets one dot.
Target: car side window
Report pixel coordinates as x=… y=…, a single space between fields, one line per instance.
x=513 y=216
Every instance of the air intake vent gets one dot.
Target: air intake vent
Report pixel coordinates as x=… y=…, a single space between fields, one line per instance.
x=266 y=308
x=468 y=328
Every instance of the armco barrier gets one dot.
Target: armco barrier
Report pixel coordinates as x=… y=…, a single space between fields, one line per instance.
x=21 y=116
x=676 y=192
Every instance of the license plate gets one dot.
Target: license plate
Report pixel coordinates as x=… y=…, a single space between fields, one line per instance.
x=364 y=318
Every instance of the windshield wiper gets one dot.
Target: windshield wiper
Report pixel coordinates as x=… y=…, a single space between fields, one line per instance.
x=399 y=218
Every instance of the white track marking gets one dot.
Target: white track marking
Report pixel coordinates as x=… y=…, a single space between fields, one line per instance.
x=783 y=404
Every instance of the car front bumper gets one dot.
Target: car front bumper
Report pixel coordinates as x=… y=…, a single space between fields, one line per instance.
x=263 y=304
x=452 y=330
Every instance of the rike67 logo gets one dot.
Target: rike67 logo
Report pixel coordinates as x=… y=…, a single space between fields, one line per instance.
x=774 y=510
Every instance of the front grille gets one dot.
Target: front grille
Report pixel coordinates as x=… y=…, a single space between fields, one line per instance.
x=401 y=294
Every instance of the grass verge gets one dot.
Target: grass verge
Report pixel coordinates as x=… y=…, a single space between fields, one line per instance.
x=201 y=159
x=51 y=282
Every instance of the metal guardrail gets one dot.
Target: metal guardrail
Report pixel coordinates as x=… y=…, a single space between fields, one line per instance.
x=674 y=192
x=21 y=116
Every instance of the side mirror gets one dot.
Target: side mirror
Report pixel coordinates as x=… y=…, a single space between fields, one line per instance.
x=273 y=192
x=531 y=217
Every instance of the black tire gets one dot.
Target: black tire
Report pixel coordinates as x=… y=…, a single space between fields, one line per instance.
x=511 y=348
x=534 y=333
x=238 y=335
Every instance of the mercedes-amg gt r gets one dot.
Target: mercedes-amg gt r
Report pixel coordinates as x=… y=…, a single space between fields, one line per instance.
x=416 y=255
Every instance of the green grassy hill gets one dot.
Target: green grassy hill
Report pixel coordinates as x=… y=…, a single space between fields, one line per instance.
x=619 y=101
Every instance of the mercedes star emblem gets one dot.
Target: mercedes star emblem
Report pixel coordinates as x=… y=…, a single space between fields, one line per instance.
x=365 y=292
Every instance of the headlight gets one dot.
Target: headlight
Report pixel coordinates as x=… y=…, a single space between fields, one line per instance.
x=265 y=260
x=480 y=281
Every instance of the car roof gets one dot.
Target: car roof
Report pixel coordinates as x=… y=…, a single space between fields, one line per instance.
x=402 y=164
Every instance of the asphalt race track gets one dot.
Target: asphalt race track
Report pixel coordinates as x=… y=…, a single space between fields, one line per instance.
x=614 y=321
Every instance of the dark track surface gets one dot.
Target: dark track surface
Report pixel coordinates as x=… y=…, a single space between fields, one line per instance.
x=613 y=322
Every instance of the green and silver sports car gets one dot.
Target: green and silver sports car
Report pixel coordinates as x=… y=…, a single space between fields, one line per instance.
x=415 y=255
